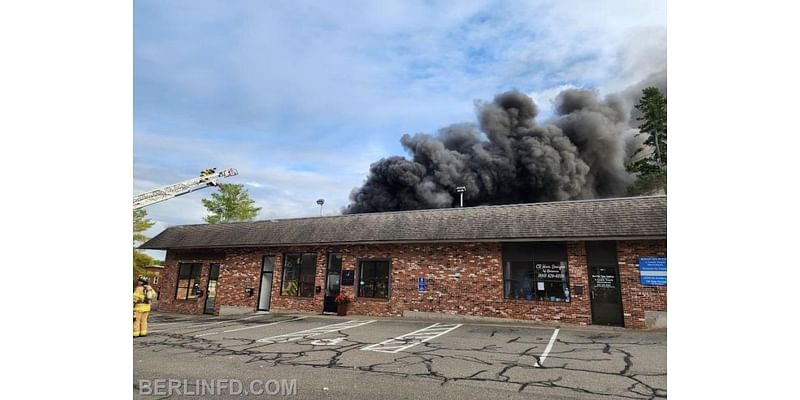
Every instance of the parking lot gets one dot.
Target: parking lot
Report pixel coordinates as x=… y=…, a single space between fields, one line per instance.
x=363 y=357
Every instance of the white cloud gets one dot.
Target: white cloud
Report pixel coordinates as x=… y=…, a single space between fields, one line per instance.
x=545 y=99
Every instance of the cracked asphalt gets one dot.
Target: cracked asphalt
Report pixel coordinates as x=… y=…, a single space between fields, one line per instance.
x=474 y=360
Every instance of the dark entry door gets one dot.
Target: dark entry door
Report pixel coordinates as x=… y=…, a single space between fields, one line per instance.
x=211 y=289
x=606 y=299
x=332 y=281
x=265 y=288
x=604 y=283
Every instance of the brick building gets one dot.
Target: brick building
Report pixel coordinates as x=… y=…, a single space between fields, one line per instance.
x=575 y=262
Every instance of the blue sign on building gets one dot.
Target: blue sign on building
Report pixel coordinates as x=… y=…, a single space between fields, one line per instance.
x=653 y=271
x=422 y=285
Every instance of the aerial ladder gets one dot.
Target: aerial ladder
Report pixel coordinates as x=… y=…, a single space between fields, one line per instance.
x=207 y=178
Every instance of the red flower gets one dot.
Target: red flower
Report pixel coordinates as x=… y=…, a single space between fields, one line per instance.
x=342 y=299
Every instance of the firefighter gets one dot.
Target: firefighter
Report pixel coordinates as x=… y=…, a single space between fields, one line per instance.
x=142 y=296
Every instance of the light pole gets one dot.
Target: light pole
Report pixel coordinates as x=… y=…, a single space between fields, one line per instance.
x=461 y=190
x=320 y=202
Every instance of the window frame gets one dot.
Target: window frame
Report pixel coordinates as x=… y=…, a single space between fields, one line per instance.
x=532 y=261
x=507 y=280
x=359 y=271
x=264 y=263
x=299 y=274
x=178 y=286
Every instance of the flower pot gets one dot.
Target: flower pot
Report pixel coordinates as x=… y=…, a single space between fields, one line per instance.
x=341 y=309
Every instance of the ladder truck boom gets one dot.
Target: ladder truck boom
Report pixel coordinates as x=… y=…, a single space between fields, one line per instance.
x=207 y=178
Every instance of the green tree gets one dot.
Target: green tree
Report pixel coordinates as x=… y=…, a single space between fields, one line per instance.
x=232 y=203
x=650 y=160
x=140 y=224
x=140 y=258
x=140 y=261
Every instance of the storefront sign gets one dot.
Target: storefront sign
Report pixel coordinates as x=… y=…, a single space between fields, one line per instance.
x=554 y=272
x=653 y=271
x=422 y=285
x=605 y=281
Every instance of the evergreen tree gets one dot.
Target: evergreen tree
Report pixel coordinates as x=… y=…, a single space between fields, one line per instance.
x=650 y=161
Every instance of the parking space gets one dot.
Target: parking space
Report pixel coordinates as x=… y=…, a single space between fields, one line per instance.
x=566 y=362
x=411 y=339
x=193 y=325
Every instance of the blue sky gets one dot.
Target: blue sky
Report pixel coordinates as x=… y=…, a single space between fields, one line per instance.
x=302 y=96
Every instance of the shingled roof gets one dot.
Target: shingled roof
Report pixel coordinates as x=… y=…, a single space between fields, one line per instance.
x=631 y=217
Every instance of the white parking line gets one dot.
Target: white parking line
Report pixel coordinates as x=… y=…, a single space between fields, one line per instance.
x=250 y=327
x=547 y=349
x=187 y=322
x=205 y=324
x=291 y=337
x=167 y=323
x=327 y=342
x=400 y=343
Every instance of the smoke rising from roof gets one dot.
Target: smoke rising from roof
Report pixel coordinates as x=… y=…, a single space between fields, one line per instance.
x=508 y=158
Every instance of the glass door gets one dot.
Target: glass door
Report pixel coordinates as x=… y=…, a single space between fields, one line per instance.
x=332 y=281
x=604 y=285
x=211 y=289
x=265 y=290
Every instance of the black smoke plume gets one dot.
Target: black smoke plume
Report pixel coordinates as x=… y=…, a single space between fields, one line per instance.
x=509 y=158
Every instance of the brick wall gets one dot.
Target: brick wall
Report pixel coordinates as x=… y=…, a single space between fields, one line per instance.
x=463 y=278
x=169 y=280
x=636 y=299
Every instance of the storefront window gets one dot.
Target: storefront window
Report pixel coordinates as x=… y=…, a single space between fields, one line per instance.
x=551 y=281
x=299 y=271
x=519 y=280
x=373 y=277
x=188 y=281
x=536 y=272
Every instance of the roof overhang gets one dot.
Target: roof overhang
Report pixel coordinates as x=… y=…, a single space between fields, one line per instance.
x=500 y=240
